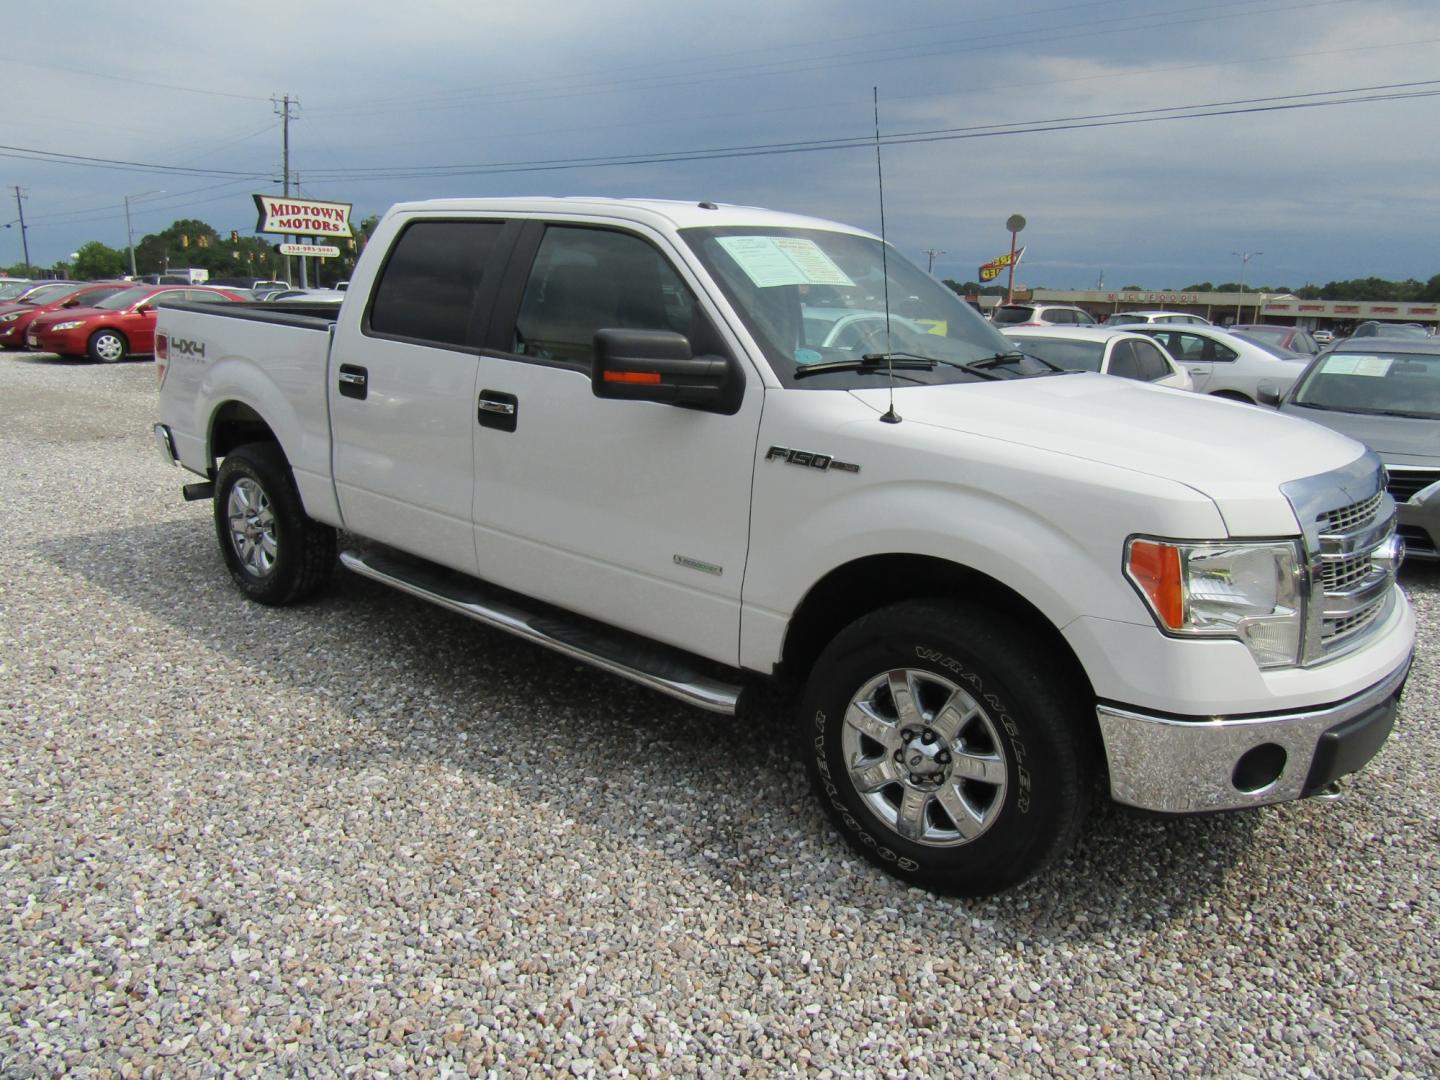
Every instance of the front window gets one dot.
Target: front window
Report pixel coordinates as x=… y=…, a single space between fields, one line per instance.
x=816 y=302
x=1388 y=383
x=46 y=293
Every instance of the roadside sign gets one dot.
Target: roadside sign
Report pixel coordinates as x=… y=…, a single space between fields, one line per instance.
x=328 y=251
x=302 y=217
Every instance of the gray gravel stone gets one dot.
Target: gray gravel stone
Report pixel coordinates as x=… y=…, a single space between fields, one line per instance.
x=365 y=837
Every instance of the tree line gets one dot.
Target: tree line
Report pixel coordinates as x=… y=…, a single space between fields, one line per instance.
x=189 y=243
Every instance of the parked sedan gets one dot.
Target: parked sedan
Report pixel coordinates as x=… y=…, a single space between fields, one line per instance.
x=1110 y=351
x=1293 y=338
x=119 y=326
x=1184 y=318
x=1385 y=392
x=1224 y=364
x=16 y=317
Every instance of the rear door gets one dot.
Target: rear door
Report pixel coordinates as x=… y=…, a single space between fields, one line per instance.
x=632 y=512
x=402 y=382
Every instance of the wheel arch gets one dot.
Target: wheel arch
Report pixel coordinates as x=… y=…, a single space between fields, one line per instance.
x=867 y=584
x=234 y=424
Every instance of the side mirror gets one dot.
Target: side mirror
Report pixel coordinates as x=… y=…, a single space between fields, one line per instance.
x=1266 y=394
x=146 y=308
x=658 y=365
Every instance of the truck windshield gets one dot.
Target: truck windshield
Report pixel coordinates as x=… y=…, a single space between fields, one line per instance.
x=814 y=299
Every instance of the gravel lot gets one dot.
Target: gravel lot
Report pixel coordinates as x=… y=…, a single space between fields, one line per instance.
x=364 y=836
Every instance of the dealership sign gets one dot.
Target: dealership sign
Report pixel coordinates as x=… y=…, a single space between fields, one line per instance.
x=302 y=217
x=327 y=251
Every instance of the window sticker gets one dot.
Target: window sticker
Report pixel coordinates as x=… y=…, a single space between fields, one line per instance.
x=783 y=260
x=807 y=356
x=1374 y=367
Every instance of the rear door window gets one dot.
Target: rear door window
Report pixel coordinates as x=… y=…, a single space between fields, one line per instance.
x=430 y=284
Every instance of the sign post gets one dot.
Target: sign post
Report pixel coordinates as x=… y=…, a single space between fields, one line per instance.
x=290 y=216
x=1015 y=223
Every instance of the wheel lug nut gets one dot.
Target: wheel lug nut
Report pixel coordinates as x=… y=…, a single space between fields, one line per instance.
x=928 y=737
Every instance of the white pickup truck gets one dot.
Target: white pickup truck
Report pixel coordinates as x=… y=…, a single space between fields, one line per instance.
x=703 y=445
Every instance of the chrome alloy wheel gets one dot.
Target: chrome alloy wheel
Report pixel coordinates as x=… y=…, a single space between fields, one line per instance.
x=925 y=756
x=252 y=526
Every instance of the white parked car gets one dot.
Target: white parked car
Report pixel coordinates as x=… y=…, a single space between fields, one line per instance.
x=1125 y=317
x=1108 y=351
x=1041 y=315
x=1224 y=364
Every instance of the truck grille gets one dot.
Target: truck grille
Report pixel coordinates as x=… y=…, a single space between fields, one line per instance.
x=1357 y=570
x=1352 y=553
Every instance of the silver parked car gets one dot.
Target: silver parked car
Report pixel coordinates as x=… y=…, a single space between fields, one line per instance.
x=1041 y=315
x=1226 y=365
x=1386 y=393
x=1110 y=351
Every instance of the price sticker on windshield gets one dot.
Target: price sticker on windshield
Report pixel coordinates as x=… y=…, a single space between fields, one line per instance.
x=783 y=260
x=1374 y=367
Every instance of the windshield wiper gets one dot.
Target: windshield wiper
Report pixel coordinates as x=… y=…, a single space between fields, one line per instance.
x=974 y=369
x=876 y=362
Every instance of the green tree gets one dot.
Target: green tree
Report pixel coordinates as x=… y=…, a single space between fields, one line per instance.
x=95 y=260
x=1431 y=290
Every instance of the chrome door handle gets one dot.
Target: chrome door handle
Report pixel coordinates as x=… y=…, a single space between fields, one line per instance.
x=501 y=408
x=354 y=378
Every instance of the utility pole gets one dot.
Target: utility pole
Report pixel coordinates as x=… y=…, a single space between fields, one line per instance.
x=1244 y=257
x=24 y=240
x=930 y=265
x=282 y=109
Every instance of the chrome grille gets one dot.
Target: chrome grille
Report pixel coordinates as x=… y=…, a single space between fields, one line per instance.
x=1351 y=554
x=1342 y=573
x=1349 y=518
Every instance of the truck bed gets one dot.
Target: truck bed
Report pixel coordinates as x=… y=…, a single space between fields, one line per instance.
x=282 y=312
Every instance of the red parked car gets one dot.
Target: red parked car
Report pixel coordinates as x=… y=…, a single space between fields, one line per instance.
x=16 y=317
x=120 y=326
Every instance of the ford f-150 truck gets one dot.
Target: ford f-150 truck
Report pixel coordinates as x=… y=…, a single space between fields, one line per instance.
x=700 y=446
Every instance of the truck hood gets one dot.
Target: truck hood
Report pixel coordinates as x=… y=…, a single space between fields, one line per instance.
x=1236 y=454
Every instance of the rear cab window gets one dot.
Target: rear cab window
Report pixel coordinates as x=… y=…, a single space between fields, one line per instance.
x=430 y=286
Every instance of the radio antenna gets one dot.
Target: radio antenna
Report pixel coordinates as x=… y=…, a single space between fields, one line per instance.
x=890 y=417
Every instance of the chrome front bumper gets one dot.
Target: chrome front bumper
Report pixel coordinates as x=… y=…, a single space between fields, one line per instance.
x=1224 y=763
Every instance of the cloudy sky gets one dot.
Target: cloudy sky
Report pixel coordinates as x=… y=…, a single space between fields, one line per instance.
x=1082 y=116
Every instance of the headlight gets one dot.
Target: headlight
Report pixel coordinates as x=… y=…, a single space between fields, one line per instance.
x=1249 y=591
x=11 y=317
x=68 y=325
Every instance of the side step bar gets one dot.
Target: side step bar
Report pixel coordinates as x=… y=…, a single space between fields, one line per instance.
x=670 y=671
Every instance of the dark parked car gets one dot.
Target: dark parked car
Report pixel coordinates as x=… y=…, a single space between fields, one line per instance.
x=1386 y=393
x=1373 y=328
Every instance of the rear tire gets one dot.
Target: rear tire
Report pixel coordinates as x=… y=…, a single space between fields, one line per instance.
x=945 y=749
x=107 y=347
x=275 y=552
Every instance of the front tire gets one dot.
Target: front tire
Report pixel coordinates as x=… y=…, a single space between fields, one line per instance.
x=944 y=749
x=107 y=347
x=275 y=552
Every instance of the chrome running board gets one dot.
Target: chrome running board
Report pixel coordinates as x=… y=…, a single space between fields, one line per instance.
x=660 y=667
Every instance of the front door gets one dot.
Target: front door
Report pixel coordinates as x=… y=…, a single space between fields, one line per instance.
x=632 y=512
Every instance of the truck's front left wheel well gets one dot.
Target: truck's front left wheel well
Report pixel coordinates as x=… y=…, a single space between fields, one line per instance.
x=235 y=424
x=866 y=585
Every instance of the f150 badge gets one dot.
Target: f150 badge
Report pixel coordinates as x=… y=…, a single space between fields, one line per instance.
x=809 y=459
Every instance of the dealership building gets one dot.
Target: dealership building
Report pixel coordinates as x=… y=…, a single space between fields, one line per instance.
x=1250 y=307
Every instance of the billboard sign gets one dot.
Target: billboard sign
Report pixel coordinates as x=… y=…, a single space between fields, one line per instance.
x=302 y=217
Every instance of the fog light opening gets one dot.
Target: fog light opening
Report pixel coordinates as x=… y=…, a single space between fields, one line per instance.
x=1258 y=768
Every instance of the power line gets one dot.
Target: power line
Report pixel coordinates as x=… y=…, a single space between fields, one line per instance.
x=1179 y=112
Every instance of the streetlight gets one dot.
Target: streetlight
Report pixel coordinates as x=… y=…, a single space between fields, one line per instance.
x=1244 y=257
x=129 y=235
